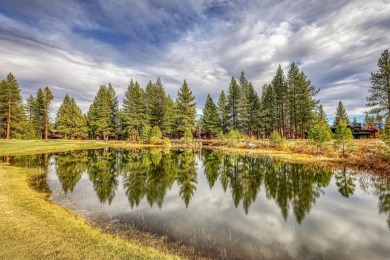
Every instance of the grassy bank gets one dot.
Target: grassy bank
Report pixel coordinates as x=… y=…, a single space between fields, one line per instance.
x=34 y=228
x=22 y=147
x=368 y=155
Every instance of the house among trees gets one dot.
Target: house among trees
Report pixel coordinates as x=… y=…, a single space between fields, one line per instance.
x=360 y=133
x=206 y=134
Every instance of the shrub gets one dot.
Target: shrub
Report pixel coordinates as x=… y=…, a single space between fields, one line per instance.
x=155 y=135
x=276 y=140
x=319 y=135
x=232 y=138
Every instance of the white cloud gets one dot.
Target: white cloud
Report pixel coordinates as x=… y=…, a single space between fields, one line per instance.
x=206 y=44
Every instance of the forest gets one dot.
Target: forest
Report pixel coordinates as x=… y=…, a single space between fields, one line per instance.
x=286 y=106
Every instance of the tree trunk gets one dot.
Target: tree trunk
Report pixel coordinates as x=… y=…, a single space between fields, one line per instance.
x=9 y=119
x=46 y=124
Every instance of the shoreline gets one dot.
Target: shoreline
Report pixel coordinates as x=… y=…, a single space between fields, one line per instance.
x=367 y=154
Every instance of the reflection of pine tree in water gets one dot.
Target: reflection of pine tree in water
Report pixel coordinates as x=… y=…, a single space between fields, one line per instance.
x=381 y=189
x=148 y=174
x=162 y=174
x=296 y=186
x=289 y=185
x=102 y=173
x=187 y=176
x=383 y=193
x=212 y=162
x=345 y=182
x=69 y=167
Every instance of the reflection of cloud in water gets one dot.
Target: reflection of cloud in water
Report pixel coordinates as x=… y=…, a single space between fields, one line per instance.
x=333 y=226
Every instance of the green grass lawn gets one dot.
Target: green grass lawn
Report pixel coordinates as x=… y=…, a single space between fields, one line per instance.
x=19 y=147
x=32 y=227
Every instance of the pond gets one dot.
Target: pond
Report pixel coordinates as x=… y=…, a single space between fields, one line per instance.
x=226 y=205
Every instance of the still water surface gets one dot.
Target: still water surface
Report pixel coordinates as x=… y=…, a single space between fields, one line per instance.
x=227 y=205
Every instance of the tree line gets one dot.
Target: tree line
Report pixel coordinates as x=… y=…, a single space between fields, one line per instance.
x=286 y=105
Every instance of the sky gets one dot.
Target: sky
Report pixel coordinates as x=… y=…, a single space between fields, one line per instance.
x=74 y=47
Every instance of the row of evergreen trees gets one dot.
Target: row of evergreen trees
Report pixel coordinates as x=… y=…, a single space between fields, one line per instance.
x=286 y=105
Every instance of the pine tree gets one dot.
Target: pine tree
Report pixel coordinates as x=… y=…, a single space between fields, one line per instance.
x=268 y=110
x=343 y=136
x=293 y=98
x=134 y=108
x=341 y=115
x=155 y=99
x=280 y=87
x=254 y=111
x=102 y=113
x=211 y=119
x=150 y=97
x=185 y=108
x=114 y=108
x=320 y=134
x=321 y=114
x=159 y=107
x=70 y=119
x=47 y=98
x=12 y=113
x=302 y=104
x=234 y=94
x=223 y=111
x=39 y=109
x=168 y=122
x=244 y=105
x=379 y=99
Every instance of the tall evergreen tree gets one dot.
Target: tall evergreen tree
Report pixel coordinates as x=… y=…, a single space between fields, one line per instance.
x=39 y=111
x=234 y=94
x=280 y=87
x=159 y=108
x=223 y=111
x=293 y=98
x=114 y=108
x=168 y=121
x=134 y=108
x=211 y=119
x=12 y=113
x=268 y=110
x=155 y=99
x=301 y=102
x=150 y=96
x=341 y=115
x=379 y=99
x=254 y=110
x=244 y=105
x=185 y=108
x=70 y=119
x=321 y=114
x=102 y=115
x=47 y=98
